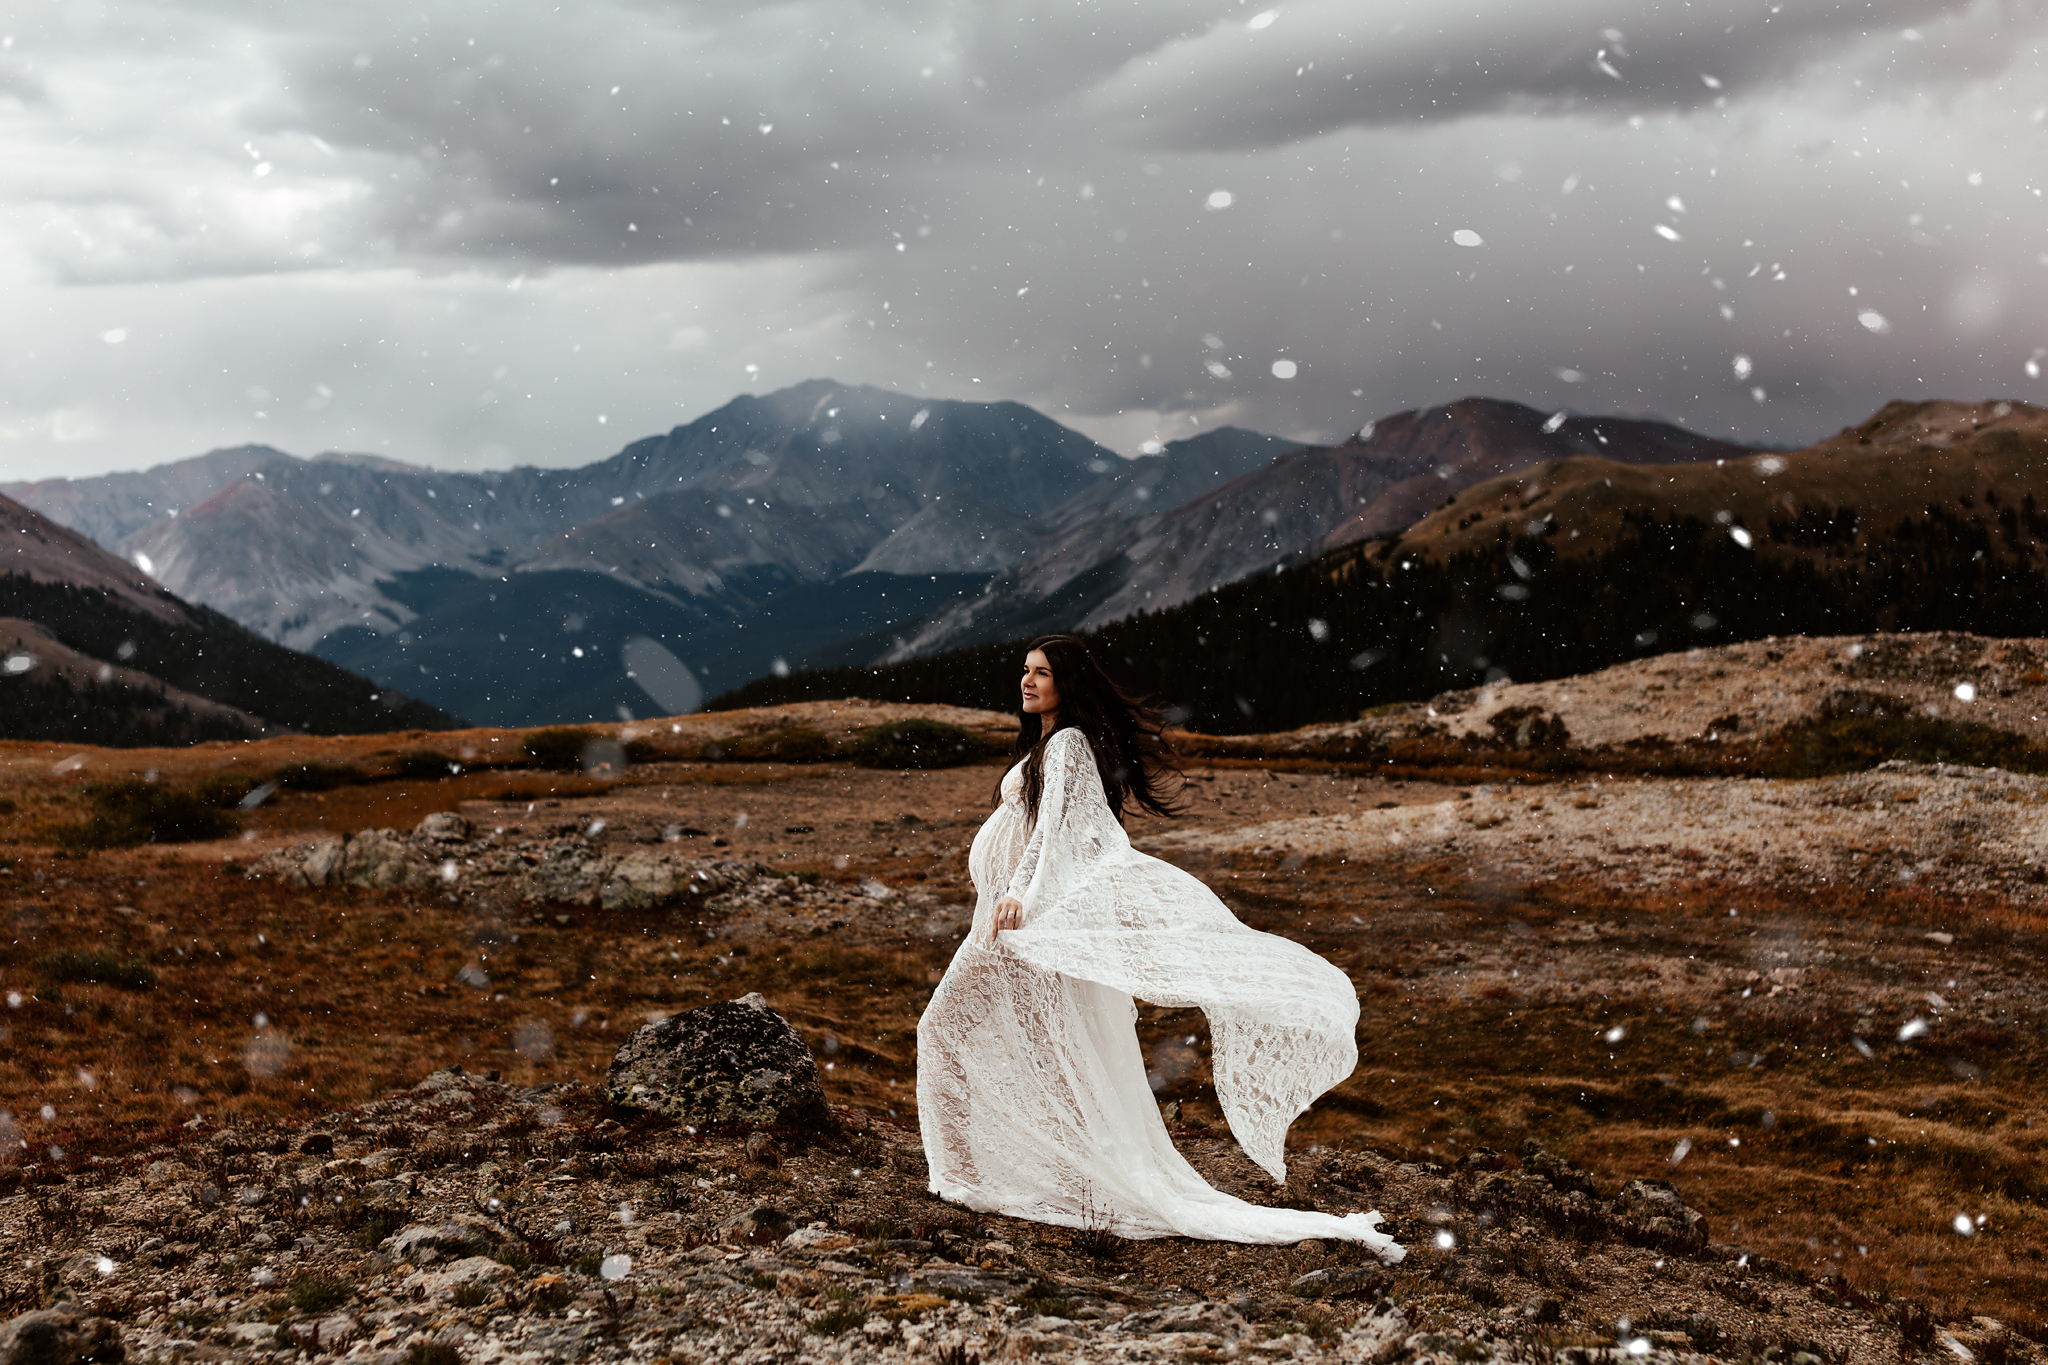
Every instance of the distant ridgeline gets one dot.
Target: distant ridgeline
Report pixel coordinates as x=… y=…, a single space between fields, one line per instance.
x=213 y=658
x=1371 y=624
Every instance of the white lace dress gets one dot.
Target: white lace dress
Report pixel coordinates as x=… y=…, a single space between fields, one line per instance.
x=1031 y=1088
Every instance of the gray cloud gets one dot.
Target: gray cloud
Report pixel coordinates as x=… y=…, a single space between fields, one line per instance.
x=465 y=236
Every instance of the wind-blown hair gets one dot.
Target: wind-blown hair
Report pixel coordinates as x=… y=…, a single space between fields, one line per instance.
x=1124 y=730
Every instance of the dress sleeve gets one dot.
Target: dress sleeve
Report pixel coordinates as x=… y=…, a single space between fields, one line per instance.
x=1071 y=803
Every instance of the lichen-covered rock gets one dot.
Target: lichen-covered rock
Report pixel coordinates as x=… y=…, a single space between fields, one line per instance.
x=640 y=881
x=380 y=858
x=1652 y=1214
x=569 y=873
x=460 y=1238
x=442 y=827
x=322 y=863
x=737 y=1062
x=60 y=1336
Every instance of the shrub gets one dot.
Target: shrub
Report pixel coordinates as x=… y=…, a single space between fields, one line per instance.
x=790 y=744
x=559 y=748
x=917 y=743
x=319 y=777
x=471 y=1295
x=423 y=765
x=97 y=968
x=132 y=811
x=318 y=1294
x=834 y=1321
x=225 y=790
x=1854 y=743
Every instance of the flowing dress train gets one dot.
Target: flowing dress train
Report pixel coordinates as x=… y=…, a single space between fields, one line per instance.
x=1031 y=1088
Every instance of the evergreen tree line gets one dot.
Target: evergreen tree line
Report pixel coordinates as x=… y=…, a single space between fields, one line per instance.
x=1366 y=626
x=55 y=709
x=217 y=659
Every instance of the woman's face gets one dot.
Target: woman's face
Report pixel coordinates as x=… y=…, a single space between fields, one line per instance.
x=1041 y=693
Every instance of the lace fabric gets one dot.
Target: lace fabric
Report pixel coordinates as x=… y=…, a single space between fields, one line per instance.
x=1031 y=1087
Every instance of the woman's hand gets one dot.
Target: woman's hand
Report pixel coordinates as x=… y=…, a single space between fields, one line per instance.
x=1009 y=914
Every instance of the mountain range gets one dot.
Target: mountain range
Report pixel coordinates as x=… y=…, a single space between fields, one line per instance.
x=821 y=524
x=1927 y=517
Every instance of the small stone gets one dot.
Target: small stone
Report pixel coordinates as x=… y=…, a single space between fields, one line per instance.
x=459 y=1237
x=442 y=827
x=818 y=1237
x=317 y=1144
x=323 y=862
x=756 y=1227
x=761 y=1150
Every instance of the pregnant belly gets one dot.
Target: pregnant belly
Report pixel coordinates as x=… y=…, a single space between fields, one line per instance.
x=993 y=856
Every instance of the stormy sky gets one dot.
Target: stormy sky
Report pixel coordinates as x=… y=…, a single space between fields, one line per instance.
x=473 y=235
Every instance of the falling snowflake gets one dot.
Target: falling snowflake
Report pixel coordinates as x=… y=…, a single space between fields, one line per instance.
x=1221 y=199
x=1284 y=369
x=1467 y=237
x=1263 y=19
x=1743 y=367
x=1874 y=321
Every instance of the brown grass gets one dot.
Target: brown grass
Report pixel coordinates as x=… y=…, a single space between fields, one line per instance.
x=1861 y=1168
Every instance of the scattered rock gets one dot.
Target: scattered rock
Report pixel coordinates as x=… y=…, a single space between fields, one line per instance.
x=737 y=1062
x=437 y=1284
x=818 y=1237
x=442 y=827
x=60 y=1336
x=459 y=1237
x=1653 y=1214
x=1342 y=1282
x=379 y=858
x=760 y=1226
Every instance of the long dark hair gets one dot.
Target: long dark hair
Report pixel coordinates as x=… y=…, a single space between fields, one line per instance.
x=1124 y=730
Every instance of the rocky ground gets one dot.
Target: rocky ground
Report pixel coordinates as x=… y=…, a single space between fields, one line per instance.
x=464 y=1219
x=1733 y=694
x=1813 y=1007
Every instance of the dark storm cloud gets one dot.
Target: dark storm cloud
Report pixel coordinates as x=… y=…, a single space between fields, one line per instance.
x=480 y=232
x=1310 y=69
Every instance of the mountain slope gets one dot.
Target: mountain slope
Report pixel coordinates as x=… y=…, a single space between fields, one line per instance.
x=825 y=474
x=1834 y=502
x=1302 y=502
x=1945 y=532
x=108 y=507
x=99 y=607
x=50 y=691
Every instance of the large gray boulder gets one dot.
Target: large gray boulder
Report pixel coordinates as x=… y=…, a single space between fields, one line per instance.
x=738 y=1062
x=60 y=1336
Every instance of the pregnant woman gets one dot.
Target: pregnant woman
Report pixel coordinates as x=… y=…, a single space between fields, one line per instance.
x=1031 y=1089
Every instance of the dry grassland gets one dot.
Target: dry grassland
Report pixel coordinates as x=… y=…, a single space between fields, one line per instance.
x=1646 y=1032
